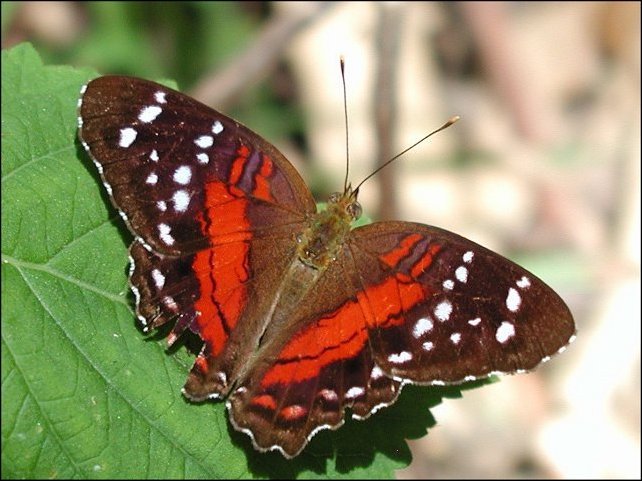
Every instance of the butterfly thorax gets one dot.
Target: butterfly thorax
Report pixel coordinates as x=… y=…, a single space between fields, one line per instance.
x=321 y=241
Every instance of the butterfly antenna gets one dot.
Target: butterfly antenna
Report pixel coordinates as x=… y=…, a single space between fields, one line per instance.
x=345 y=114
x=451 y=121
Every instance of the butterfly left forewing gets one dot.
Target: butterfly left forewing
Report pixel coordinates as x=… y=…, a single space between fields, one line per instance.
x=214 y=207
x=159 y=151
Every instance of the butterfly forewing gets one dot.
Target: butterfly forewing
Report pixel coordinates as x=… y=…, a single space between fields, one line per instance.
x=191 y=184
x=157 y=149
x=465 y=312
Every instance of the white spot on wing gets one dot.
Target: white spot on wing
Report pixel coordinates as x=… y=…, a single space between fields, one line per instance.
x=164 y=232
x=513 y=300
x=217 y=127
x=149 y=113
x=160 y=97
x=524 y=282
x=468 y=257
x=170 y=302
x=448 y=284
x=127 y=137
x=505 y=332
x=151 y=179
x=376 y=372
x=329 y=395
x=461 y=273
x=204 y=141
x=154 y=156
x=403 y=356
x=203 y=158
x=181 y=200
x=96 y=163
x=443 y=310
x=162 y=206
x=474 y=322
x=159 y=278
x=354 y=392
x=422 y=326
x=222 y=377
x=183 y=175
x=427 y=346
x=455 y=337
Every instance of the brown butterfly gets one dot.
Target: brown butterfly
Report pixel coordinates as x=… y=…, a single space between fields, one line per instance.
x=301 y=316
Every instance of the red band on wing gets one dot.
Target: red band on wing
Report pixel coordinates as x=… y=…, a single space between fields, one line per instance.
x=201 y=364
x=260 y=168
x=292 y=413
x=210 y=323
x=223 y=269
x=393 y=257
x=425 y=261
x=342 y=334
x=239 y=163
x=262 y=189
x=265 y=401
x=330 y=339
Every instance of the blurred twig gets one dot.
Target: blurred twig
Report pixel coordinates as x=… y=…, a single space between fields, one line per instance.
x=222 y=86
x=385 y=102
x=489 y=24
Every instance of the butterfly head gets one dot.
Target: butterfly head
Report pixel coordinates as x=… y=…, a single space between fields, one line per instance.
x=319 y=243
x=346 y=204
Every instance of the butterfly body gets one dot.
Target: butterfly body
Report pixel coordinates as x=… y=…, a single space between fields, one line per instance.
x=326 y=232
x=301 y=316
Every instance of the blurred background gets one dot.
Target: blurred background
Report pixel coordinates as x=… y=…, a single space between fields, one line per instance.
x=544 y=167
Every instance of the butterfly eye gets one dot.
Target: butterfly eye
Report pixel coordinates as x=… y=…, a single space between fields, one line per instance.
x=354 y=210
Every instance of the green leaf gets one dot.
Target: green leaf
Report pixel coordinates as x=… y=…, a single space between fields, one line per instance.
x=84 y=393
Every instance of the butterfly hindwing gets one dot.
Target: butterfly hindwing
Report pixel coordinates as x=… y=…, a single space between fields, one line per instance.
x=306 y=373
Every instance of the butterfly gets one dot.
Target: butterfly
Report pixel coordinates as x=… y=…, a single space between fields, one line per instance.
x=301 y=317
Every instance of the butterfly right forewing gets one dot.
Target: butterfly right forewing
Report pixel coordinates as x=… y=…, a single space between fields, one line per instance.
x=466 y=312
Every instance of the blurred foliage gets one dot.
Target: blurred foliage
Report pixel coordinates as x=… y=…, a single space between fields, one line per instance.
x=182 y=41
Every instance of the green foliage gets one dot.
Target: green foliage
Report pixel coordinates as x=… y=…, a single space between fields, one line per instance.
x=153 y=39
x=84 y=393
